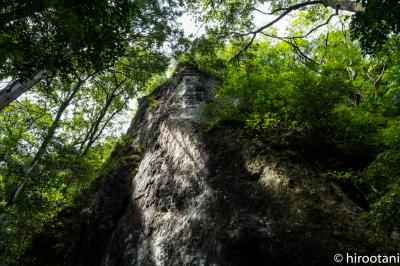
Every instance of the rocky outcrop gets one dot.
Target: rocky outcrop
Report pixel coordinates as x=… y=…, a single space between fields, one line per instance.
x=183 y=196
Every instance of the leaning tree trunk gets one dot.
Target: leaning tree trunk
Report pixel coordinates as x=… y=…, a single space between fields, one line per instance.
x=47 y=139
x=15 y=89
x=347 y=5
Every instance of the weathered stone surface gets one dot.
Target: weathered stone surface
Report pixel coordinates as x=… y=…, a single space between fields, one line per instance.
x=210 y=198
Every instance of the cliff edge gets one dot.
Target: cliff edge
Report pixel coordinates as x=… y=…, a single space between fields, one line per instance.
x=178 y=195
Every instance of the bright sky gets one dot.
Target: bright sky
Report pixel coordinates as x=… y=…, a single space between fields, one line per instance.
x=190 y=27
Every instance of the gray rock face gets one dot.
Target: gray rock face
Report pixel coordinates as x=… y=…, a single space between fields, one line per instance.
x=210 y=198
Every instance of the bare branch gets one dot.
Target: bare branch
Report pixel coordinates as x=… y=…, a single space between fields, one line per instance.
x=326 y=48
x=376 y=82
x=313 y=29
x=296 y=48
x=378 y=79
x=262 y=12
x=244 y=48
x=286 y=12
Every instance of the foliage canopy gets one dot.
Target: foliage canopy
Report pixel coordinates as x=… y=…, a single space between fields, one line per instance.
x=326 y=92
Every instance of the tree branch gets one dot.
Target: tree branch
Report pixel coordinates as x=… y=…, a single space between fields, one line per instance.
x=346 y=5
x=282 y=15
x=296 y=48
x=313 y=29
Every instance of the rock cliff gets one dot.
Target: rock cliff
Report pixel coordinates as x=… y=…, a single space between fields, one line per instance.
x=178 y=195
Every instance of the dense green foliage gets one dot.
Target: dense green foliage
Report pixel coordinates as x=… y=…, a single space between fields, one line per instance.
x=338 y=109
x=61 y=36
x=312 y=93
x=372 y=27
x=51 y=160
x=53 y=141
x=377 y=23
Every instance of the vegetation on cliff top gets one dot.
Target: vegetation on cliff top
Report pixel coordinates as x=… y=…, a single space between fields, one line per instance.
x=326 y=88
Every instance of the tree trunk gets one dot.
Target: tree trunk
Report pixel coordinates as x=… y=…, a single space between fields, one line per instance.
x=47 y=139
x=347 y=5
x=15 y=89
x=90 y=137
x=95 y=126
x=96 y=134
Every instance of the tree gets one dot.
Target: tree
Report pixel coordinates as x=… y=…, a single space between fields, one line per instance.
x=54 y=140
x=372 y=21
x=17 y=87
x=71 y=91
x=46 y=38
x=377 y=23
x=338 y=104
